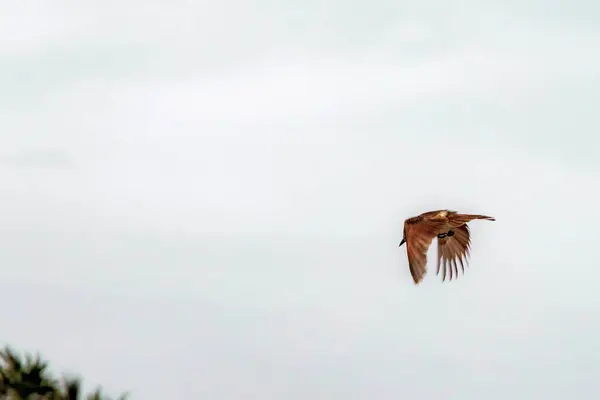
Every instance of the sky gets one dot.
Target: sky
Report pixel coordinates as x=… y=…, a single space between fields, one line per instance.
x=205 y=199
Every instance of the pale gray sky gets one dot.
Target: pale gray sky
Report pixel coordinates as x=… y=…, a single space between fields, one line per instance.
x=205 y=199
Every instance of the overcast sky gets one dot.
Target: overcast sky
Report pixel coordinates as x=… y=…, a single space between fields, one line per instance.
x=205 y=199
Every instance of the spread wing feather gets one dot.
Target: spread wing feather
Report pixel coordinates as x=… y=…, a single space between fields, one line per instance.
x=454 y=249
x=419 y=235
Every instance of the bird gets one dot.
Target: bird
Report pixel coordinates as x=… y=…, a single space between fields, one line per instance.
x=453 y=241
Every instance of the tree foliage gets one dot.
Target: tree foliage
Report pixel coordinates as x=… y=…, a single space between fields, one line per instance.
x=30 y=379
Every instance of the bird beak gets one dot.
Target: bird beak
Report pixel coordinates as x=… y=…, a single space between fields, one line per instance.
x=402 y=242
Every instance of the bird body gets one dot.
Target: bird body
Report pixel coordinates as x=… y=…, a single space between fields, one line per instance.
x=453 y=241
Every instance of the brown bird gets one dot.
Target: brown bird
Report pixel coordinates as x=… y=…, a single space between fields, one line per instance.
x=452 y=237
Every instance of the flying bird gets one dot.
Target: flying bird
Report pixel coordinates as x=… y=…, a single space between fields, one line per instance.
x=453 y=241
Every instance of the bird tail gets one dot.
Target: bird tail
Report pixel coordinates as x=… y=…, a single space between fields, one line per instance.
x=464 y=218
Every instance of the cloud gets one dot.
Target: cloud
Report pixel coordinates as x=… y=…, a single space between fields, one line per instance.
x=38 y=159
x=280 y=88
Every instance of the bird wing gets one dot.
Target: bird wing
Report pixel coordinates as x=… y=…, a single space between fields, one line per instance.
x=452 y=249
x=419 y=234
